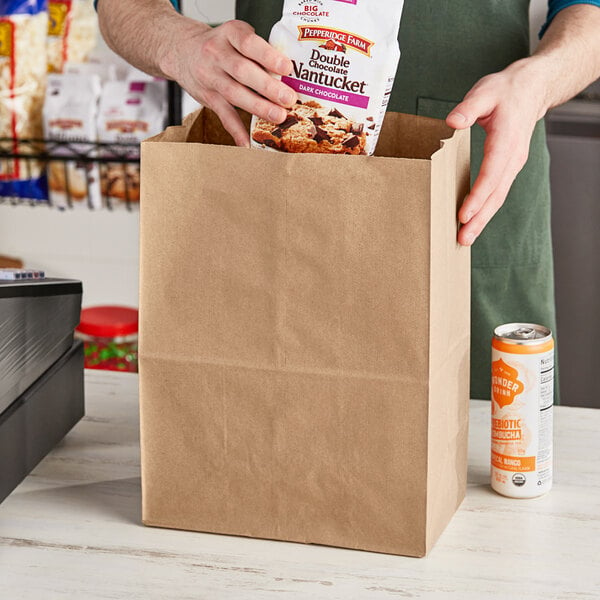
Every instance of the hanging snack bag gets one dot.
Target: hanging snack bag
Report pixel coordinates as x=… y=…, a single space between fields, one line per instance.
x=130 y=112
x=107 y=71
x=72 y=32
x=23 y=25
x=70 y=116
x=345 y=55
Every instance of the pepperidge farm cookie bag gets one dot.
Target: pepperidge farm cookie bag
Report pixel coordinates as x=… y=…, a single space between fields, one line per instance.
x=345 y=55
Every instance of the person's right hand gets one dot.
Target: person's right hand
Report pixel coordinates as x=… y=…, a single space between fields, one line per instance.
x=226 y=67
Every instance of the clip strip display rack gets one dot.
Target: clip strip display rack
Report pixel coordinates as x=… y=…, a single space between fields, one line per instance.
x=35 y=157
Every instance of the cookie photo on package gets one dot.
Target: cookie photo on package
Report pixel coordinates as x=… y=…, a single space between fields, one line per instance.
x=344 y=57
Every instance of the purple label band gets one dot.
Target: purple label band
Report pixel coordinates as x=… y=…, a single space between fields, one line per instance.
x=325 y=93
x=347 y=1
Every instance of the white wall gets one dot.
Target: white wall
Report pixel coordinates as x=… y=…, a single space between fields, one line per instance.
x=211 y=11
x=101 y=248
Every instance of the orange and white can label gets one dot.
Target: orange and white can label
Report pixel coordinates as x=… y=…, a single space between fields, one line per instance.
x=522 y=400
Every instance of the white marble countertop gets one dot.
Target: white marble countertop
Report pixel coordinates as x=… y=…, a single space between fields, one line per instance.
x=72 y=529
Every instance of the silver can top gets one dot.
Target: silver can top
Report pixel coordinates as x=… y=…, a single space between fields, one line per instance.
x=522 y=333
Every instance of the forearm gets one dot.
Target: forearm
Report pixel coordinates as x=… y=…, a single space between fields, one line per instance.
x=223 y=68
x=567 y=59
x=508 y=105
x=145 y=32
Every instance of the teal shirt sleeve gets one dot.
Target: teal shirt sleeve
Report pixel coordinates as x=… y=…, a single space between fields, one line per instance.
x=555 y=6
x=175 y=3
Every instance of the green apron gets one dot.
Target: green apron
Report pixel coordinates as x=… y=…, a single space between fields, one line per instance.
x=447 y=46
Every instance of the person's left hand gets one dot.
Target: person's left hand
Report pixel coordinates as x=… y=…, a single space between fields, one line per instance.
x=507 y=105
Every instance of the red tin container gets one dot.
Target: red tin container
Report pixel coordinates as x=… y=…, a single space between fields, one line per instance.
x=110 y=335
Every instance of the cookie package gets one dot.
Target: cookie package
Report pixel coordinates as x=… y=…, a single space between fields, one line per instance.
x=129 y=112
x=70 y=118
x=345 y=55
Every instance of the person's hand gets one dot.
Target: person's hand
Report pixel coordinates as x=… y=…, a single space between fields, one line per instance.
x=507 y=105
x=228 y=67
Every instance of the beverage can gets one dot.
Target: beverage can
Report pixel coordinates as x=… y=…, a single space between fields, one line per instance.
x=522 y=403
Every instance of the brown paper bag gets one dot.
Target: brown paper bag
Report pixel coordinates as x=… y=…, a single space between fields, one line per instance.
x=304 y=337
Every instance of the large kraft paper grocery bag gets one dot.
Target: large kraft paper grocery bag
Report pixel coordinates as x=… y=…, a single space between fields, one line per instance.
x=304 y=341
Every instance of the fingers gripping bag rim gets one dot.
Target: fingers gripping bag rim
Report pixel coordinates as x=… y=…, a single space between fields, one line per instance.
x=344 y=55
x=23 y=25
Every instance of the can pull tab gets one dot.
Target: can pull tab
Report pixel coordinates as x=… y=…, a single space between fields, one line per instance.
x=525 y=333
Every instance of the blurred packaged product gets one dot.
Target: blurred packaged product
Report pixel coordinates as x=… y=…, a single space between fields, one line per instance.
x=110 y=336
x=72 y=32
x=129 y=113
x=107 y=71
x=19 y=274
x=70 y=116
x=23 y=64
x=103 y=55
